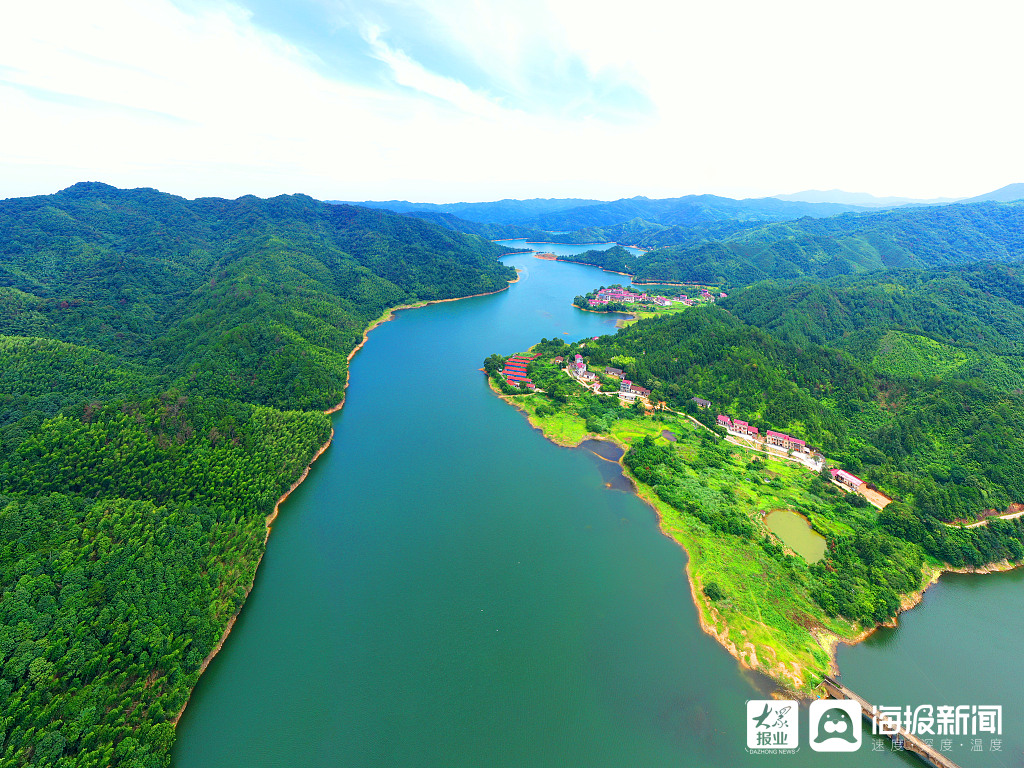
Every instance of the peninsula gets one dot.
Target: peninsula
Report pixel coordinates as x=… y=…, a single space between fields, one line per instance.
x=698 y=401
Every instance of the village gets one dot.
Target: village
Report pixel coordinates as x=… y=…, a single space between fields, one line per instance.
x=616 y=294
x=739 y=432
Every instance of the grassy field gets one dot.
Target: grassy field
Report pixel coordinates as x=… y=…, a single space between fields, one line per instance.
x=659 y=312
x=766 y=616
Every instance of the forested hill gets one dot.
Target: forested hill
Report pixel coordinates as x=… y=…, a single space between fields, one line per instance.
x=916 y=238
x=944 y=449
x=958 y=322
x=257 y=300
x=489 y=231
x=164 y=364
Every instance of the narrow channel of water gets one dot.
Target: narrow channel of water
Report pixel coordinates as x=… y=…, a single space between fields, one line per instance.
x=450 y=589
x=564 y=249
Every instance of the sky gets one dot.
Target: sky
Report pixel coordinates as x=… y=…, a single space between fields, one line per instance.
x=470 y=100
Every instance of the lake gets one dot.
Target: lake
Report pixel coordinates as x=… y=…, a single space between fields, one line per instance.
x=448 y=588
x=563 y=249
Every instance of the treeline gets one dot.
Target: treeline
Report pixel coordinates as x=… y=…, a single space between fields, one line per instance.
x=978 y=305
x=164 y=366
x=949 y=448
x=916 y=238
x=958 y=322
x=109 y=608
x=258 y=300
x=734 y=252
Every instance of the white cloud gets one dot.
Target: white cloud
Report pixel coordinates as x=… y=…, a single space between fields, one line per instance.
x=414 y=75
x=750 y=98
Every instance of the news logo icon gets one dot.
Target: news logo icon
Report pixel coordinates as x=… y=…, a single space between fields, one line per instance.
x=835 y=725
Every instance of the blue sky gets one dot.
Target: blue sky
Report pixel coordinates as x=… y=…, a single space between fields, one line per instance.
x=443 y=100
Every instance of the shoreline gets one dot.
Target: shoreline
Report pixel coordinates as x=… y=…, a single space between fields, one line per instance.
x=552 y=242
x=607 y=311
x=269 y=520
x=699 y=603
x=389 y=314
x=828 y=641
x=931 y=575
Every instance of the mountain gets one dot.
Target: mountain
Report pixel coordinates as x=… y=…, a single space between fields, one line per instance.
x=569 y=214
x=1002 y=195
x=692 y=210
x=497 y=212
x=963 y=322
x=164 y=366
x=914 y=238
x=862 y=199
x=489 y=231
x=189 y=284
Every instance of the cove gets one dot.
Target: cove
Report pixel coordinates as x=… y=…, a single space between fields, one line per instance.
x=448 y=588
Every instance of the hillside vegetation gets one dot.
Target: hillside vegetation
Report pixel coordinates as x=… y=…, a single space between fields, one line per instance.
x=957 y=322
x=164 y=366
x=943 y=449
x=905 y=238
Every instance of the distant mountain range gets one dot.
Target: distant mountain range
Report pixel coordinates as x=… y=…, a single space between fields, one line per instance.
x=862 y=199
x=573 y=214
x=658 y=223
x=899 y=238
x=1005 y=194
x=497 y=212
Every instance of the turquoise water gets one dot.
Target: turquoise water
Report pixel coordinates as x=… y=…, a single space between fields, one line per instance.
x=450 y=589
x=562 y=249
x=961 y=645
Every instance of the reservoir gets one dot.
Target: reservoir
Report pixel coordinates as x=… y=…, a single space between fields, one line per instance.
x=448 y=588
x=562 y=249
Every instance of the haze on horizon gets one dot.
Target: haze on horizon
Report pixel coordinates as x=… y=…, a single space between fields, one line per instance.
x=465 y=101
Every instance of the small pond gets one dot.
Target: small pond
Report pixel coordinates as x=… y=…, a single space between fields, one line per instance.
x=796 y=533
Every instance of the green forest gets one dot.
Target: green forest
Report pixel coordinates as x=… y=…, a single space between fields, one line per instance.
x=164 y=368
x=783 y=356
x=736 y=253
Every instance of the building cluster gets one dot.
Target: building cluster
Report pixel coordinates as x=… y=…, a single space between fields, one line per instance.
x=622 y=296
x=628 y=391
x=515 y=371
x=771 y=438
x=579 y=368
x=739 y=427
x=786 y=443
